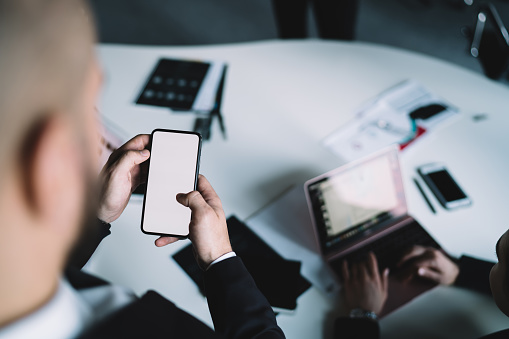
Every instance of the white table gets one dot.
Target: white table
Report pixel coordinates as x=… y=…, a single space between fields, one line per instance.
x=281 y=99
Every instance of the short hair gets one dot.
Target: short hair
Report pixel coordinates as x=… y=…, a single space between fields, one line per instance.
x=46 y=47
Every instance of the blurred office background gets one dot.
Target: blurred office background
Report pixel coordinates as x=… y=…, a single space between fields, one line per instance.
x=433 y=27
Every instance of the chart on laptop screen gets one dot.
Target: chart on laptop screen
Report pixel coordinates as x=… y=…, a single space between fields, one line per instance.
x=358 y=195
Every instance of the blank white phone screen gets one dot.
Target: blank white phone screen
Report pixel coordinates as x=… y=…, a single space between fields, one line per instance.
x=172 y=170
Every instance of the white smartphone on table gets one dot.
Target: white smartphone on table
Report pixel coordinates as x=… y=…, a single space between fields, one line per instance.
x=447 y=191
x=173 y=168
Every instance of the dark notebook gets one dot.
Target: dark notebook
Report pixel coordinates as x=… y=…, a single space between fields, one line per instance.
x=174 y=84
x=277 y=278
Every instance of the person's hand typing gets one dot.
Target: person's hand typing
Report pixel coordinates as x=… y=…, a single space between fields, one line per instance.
x=207 y=230
x=428 y=263
x=363 y=286
x=121 y=175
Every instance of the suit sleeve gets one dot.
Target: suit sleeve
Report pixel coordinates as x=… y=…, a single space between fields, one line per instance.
x=87 y=243
x=349 y=328
x=238 y=308
x=474 y=274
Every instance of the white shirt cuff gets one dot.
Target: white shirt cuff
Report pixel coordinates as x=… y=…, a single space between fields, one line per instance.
x=221 y=258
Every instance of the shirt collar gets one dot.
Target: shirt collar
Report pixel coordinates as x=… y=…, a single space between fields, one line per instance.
x=64 y=316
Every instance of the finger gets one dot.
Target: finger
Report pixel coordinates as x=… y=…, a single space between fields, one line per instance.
x=354 y=270
x=363 y=271
x=426 y=260
x=344 y=271
x=372 y=265
x=131 y=159
x=209 y=194
x=163 y=241
x=428 y=273
x=385 y=280
x=193 y=200
x=413 y=252
x=205 y=191
x=137 y=143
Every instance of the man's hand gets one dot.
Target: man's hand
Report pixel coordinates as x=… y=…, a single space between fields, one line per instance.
x=429 y=263
x=363 y=286
x=121 y=175
x=207 y=230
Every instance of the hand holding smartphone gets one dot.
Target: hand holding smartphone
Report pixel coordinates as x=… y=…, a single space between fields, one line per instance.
x=173 y=168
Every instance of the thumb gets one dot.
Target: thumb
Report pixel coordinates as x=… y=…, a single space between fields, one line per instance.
x=429 y=274
x=194 y=200
x=132 y=158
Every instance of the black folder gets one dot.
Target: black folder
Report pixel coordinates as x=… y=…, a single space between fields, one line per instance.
x=277 y=278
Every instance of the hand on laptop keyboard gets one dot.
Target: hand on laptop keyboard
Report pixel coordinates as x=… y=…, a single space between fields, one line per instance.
x=390 y=249
x=364 y=287
x=428 y=263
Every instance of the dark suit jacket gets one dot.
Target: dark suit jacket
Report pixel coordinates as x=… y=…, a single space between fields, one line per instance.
x=474 y=275
x=238 y=308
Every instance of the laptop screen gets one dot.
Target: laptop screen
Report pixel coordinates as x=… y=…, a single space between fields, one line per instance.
x=352 y=201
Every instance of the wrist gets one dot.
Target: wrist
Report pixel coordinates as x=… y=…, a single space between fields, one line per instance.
x=207 y=259
x=359 y=313
x=222 y=258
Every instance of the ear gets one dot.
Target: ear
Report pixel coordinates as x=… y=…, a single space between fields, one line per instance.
x=52 y=172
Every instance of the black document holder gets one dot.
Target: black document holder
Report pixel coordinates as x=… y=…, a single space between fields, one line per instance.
x=278 y=279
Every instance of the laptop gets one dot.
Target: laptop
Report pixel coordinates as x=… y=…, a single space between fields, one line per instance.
x=361 y=207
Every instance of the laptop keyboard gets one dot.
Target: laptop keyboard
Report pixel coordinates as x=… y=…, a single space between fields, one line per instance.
x=390 y=248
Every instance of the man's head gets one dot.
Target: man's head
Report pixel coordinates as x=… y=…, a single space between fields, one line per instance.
x=498 y=275
x=48 y=142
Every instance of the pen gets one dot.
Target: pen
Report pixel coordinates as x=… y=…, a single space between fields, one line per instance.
x=216 y=113
x=419 y=187
x=221 y=124
x=217 y=108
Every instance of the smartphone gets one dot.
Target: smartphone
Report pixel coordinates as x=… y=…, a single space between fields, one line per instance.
x=447 y=191
x=172 y=169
